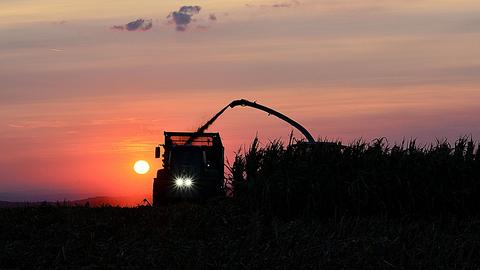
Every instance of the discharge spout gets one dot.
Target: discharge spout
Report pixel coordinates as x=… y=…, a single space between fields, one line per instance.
x=246 y=103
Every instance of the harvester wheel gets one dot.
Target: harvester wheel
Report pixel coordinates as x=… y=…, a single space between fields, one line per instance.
x=160 y=188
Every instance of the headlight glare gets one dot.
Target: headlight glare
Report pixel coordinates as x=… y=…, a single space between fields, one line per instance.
x=179 y=182
x=183 y=182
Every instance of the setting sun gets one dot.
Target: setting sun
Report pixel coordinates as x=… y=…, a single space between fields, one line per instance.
x=141 y=167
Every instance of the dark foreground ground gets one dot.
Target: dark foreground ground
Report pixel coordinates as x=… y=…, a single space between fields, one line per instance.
x=219 y=234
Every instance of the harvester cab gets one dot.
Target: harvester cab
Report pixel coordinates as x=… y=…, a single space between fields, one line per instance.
x=193 y=167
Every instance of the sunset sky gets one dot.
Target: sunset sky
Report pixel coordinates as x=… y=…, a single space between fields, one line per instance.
x=88 y=87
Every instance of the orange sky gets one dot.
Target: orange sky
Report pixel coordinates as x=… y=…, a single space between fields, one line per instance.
x=81 y=100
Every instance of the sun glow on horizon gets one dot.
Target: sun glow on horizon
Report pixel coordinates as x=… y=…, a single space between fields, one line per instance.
x=141 y=167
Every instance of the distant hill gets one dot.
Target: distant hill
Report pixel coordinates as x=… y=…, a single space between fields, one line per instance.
x=4 y=204
x=124 y=201
x=130 y=201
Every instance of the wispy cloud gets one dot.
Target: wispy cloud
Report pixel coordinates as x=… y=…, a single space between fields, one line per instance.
x=16 y=126
x=286 y=4
x=59 y=22
x=33 y=124
x=137 y=25
x=183 y=17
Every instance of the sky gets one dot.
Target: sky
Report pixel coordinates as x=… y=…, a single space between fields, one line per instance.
x=88 y=87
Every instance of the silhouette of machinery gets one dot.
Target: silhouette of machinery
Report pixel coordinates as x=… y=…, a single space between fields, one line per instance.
x=193 y=162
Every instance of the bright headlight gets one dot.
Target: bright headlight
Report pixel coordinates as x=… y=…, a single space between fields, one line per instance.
x=179 y=182
x=183 y=182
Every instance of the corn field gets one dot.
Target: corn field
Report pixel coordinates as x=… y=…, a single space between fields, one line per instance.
x=361 y=179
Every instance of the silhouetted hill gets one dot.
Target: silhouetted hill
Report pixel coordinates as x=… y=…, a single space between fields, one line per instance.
x=4 y=204
x=122 y=201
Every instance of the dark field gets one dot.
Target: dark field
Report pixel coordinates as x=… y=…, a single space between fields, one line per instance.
x=221 y=235
x=366 y=206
